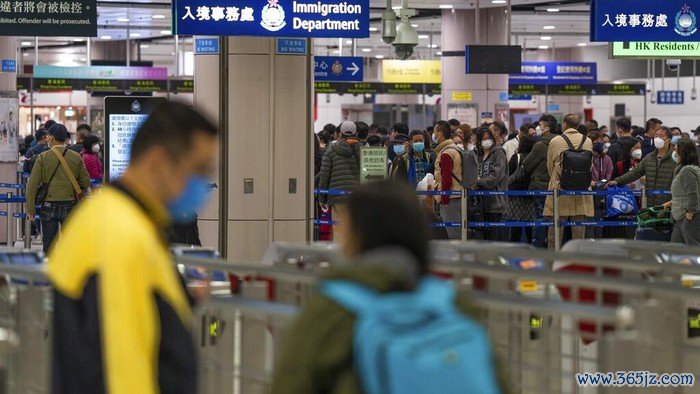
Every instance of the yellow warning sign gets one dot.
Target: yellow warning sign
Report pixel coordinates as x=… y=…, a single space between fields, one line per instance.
x=461 y=96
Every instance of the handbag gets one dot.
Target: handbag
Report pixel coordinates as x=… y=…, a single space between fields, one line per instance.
x=79 y=195
x=520 y=179
x=43 y=189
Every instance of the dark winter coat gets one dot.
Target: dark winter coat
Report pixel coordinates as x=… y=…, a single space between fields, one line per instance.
x=340 y=169
x=659 y=175
x=536 y=164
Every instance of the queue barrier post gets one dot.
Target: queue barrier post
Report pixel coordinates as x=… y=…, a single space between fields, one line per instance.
x=644 y=197
x=555 y=206
x=9 y=219
x=465 y=220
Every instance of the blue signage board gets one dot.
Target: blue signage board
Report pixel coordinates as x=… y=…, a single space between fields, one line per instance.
x=503 y=96
x=553 y=108
x=337 y=68
x=272 y=18
x=556 y=73
x=206 y=46
x=670 y=97
x=9 y=66
x=644 y=20
x=527 y=97
x=291 y=46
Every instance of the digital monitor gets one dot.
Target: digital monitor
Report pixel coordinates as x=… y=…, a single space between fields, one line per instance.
x=123 y=117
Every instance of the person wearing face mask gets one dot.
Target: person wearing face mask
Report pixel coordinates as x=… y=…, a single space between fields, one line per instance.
x=535 y=164
x=511 y=146
x=657 y=167
x=91 y=149
x=619 y=151
x=602 y=165
x=81 y=132
x=492 y=176
x=457 y=139
x=648 y=144
x=685 y=195
x=448 y=175
x=121 y=302
x=60 y=196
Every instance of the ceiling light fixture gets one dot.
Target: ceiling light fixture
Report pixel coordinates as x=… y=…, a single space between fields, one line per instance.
x=366 y=50
x=379 y=56
x=373 y=29
x=498 y=2
x=144 y=46
x=414 y=24
x=336 y=52
x=439 y=53
x=552 y=9
x=549 y=27
x=78 y=40
x=543 y=47
x=424 y=36
x=165 y=32
x=433 y=46
x=546 y=38
x=158 y=16
x=348 y=42
x=135 y=35
x=26 y=43
x=105 y=37
x=446 y=6
x=123 y=20
x=582 y=44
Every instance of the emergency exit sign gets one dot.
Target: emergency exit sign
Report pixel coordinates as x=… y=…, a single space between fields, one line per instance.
x=655 y=50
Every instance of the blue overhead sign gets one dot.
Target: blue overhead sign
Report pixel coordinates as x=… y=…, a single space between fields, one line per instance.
x=206 y=46
x=644 y=20
x=276 y=18
x=9 y=66
x=556 y=73
x=337 y=68
x=291 y=46
x=670 y=97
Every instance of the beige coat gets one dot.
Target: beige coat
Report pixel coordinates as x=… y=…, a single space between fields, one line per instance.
x=449 y=148
x=569 y=205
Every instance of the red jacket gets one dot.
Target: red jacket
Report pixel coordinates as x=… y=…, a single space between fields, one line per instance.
x=93 y=164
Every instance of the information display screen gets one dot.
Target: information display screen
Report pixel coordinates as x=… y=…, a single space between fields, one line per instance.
x=124 y=116
x=122 y=129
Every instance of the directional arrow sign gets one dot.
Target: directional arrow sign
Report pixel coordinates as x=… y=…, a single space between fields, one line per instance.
x=373 y=164
x=338 y=68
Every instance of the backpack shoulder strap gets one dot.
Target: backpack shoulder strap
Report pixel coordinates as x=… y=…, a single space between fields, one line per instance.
x=583 y=141
x=352 y=296
x=568 y=141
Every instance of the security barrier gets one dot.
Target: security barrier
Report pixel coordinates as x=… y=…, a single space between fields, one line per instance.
x=541 y=336
x=555 y=222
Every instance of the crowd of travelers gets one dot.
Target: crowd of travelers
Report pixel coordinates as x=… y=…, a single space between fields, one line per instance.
x=543 y=156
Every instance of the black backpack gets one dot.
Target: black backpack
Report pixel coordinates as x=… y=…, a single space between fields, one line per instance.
x=576 y=166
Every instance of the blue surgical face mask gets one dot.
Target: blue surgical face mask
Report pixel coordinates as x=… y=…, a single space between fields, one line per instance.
x=400 y=149
x=675 y=139
x=418 y=147
x=184 y=208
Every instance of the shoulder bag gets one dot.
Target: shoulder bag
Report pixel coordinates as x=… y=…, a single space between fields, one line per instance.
x=43 y=189
x=76 y=188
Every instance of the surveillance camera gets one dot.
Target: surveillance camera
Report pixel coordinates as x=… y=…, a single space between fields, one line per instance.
x=673 y=64
x=388 y=26
x=694 y=94
x=648 y=87
x=406 y=40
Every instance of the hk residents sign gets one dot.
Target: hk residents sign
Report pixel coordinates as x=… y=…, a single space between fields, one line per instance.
x=644 y=20
x=77 y=18
x=278 y=18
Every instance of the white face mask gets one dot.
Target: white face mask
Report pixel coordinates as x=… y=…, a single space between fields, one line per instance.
x=460 y=146
x=96 y=148
x=607 y=145
x=637 y=154
x=659 y=143
x=487 y=144
x=538 y=130
x=674 y=157
x=470 y=146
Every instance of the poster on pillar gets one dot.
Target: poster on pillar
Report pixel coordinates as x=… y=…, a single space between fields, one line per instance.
x=272 y=18
x=74 y=18
x=502 y=113
x=9 y=126
x=466 y=113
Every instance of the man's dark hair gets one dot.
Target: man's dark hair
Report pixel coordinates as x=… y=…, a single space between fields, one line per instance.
x=430 y=129
x=400 y=128
x=582 y=129
x=374 y=140
x=594 y=123
x=373 y=128
x=59 y=132
x=501 y=127
x=550 y=121
x=362 y=130
x=382 y=131
x=651 y=123
x=624 y=124
x=372 y=205
x=525 y=128
x=677 y=128
x=454 y=122
x=331 y=128
x=688 y=152
x=526 y=144
x=40 y=134
x=48 y=124
x=85 y=127
x=170 y=125
x=571 y=121
x=443 y=128
x=415 y=133
x=697 y=131
x=325 y=136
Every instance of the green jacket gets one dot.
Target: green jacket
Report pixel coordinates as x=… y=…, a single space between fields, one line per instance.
x=60 y=187
x=318 y=353
x=659 y=175
x=536 y=164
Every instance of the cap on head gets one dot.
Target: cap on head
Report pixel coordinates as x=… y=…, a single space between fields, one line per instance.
x=400 y=139
x=348 y=129
x=58 y=132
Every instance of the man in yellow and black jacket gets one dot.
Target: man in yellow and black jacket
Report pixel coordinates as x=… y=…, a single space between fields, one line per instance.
x=121 y=311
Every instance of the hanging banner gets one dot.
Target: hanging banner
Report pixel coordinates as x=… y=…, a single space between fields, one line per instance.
x=75 y=18
x=644 y=20
x=412 y=71
x=9 y=125
x=655 y=50
x=276 y=18
x=101 y=72
x=547 y=73
x=429 y=89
